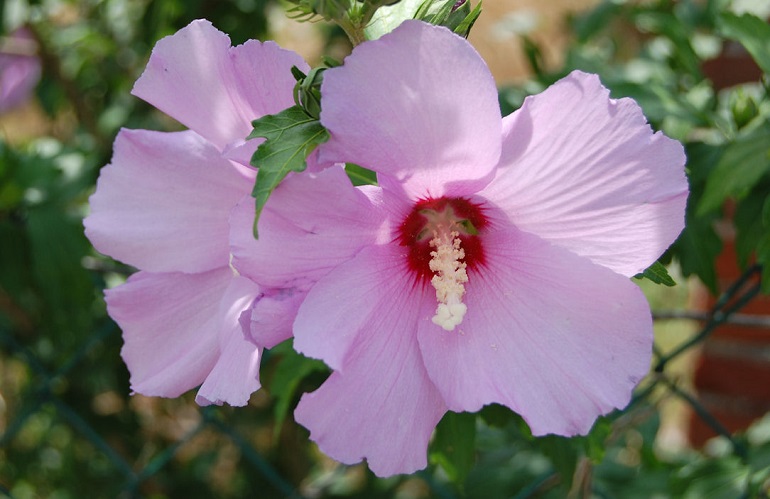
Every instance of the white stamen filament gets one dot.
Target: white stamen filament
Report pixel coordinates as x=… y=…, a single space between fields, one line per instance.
x=232 y=267
x=449 y=279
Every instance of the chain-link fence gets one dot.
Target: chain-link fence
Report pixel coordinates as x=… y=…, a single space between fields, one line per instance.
x=63 y=437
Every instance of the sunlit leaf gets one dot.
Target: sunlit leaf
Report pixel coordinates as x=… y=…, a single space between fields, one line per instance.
x=658 y=274
x=744 y=162
x=752 y=32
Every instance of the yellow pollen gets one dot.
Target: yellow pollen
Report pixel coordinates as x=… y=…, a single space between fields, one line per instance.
x=449 y=279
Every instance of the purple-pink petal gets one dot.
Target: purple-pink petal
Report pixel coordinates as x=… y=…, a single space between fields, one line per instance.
x=20 y=69
x=196 y=77
x=311 y=223
x=418 y=104
x=555 y=337
x=383 y=410
x=379 y=404
x=587 y=172
x=171 y=326
x=272 y=316
x=235 y=376
x=163 y=202
x=371 y=292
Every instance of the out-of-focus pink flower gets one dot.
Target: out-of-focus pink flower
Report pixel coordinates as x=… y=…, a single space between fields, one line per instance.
x=19 y=69
x=163 y=204
x=493 y=260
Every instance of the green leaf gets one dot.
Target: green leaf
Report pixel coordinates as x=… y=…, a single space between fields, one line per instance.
x=563 y=453
x=717 y=478
x=16 y=270
x=744 y=162
x=752 y=32
x=749 y=223
x=291 y=136
x=697 y=249
x=464 y=27
x=458 y=18
x=763 y=257
x=534 y=56
x=593 y=22
x=438 y=12
x=307 y=10
x=57 y=247
x=763 y=246
x=292 y=368
x=698 y=245
x=454 y=445
x=670 y=25
x=307 y=91
x=658 y=274
x=499 y=416
x=388 y=18
x=435 y=12
x=360 y=175
x=595 y=443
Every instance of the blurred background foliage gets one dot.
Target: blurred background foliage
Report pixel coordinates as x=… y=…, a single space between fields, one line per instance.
x=69 y=427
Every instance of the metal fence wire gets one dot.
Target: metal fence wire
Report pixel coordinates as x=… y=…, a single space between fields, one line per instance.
x=44 y=396
x=66 y=436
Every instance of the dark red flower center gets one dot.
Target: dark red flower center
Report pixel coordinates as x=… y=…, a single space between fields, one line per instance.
x=443 y=237
x=430 y=218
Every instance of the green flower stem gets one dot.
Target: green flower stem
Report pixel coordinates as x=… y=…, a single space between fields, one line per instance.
x=357 y=17
x=354 y=31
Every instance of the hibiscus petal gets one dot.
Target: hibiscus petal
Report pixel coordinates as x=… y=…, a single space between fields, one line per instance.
x=19 y=72
x=235 y=376
x=586 y=172
x=196 y=77
x=365 y=293
x=381 y=406
x=551 y=335
x=311 y=223
x=419 y=104
x=384 y=412
x=272 y=316
x=241 y=151
x=170 y=326
x=163 y=203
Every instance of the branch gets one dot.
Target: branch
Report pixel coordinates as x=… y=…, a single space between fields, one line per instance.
x=732 y=300
x=760 y=321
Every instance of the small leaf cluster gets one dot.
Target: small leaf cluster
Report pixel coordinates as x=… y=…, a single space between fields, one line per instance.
x=308 y=10
x=455 y=15
x=351 y=15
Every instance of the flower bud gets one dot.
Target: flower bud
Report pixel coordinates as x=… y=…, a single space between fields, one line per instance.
x=307 y=91
x=743 y=108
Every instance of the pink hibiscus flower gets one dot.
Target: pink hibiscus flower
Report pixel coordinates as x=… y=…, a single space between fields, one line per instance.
x=491 y=264
x=163 y=204
x=20 y=69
